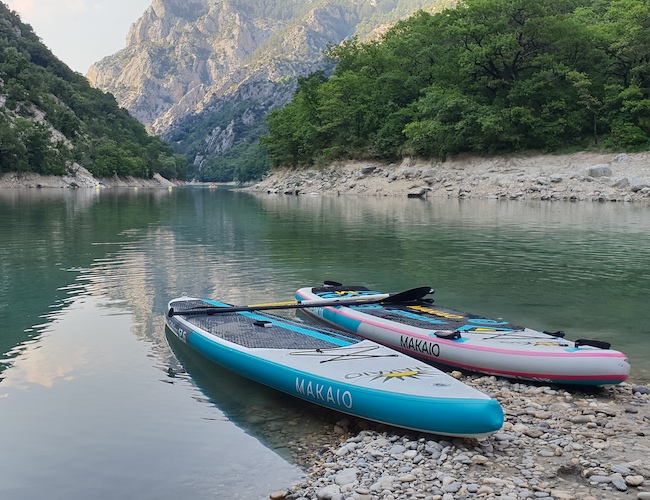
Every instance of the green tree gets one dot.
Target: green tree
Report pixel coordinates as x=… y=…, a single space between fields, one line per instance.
x=13 y=153
x=487 y=76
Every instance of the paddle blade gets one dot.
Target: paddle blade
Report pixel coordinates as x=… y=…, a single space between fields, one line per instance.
x=408 y=295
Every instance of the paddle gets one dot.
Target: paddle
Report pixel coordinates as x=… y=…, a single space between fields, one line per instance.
x=396 y=298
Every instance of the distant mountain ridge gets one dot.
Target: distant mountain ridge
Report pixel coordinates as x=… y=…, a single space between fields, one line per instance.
x=203 y=74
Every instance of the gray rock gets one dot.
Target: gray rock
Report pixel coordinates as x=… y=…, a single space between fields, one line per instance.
x=452 y=487
x=342 y=451
x=407 y=478
x=328 y=492
x=410 y=173
x=638 y=184
x=397 y=449
x=383 y=483
x=619 y=484
x=417 y=193
x=361 y=494
x=602 y=170
x=346 y=476
x=600 y=479
x=621 y=469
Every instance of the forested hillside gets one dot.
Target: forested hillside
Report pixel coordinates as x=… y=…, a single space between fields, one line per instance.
x=490 y=76
x=50 y=117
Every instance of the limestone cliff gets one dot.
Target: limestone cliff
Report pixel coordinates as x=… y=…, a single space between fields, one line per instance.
x=187 y=57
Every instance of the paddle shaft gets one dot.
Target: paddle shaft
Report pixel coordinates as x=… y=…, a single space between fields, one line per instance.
x=317 y=302
x=406 y=296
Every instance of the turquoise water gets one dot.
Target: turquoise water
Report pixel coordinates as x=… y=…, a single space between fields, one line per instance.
x=95 y=401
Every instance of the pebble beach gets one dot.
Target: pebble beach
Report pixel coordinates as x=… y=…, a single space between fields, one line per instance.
x=556 y=443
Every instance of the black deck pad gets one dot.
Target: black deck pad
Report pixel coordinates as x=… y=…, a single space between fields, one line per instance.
x=240 y=328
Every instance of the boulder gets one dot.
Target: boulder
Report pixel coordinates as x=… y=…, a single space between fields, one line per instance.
x=638 y=184
x=417 y=193
x=602 y=170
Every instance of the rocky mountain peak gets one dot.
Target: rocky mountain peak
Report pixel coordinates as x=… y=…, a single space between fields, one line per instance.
x=184 y=57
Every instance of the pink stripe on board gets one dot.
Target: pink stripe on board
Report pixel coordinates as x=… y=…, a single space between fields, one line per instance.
x=540 y=376
x=595 y=354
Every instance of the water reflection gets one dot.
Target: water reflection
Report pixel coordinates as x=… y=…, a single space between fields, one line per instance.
x=275 y=418
x=87 y=416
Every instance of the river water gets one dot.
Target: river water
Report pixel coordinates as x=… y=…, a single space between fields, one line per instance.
x=96 y=401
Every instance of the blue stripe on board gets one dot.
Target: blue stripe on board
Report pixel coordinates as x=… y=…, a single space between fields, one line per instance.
x=465 y=416
x=349 y=324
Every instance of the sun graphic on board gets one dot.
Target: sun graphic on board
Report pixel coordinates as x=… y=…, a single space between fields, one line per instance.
x=403 y=374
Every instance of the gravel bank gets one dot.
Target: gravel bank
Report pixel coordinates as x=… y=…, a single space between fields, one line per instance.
x=575 y=177
x=556 y=443
x=78 y=177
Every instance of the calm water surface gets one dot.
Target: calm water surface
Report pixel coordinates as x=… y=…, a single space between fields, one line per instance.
x=97 y=402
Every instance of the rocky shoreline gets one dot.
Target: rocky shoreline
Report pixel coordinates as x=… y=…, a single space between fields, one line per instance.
x=556 y=443
x=585 y=176
x=79 y=177
x=581 y=176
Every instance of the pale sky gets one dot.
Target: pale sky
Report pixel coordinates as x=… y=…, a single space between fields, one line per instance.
x=80 y=32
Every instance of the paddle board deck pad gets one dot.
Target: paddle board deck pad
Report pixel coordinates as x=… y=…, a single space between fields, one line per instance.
x=465 y=341
x=334 y=369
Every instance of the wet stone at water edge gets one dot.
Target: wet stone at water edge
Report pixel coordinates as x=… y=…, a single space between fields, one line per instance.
x=555 y=443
